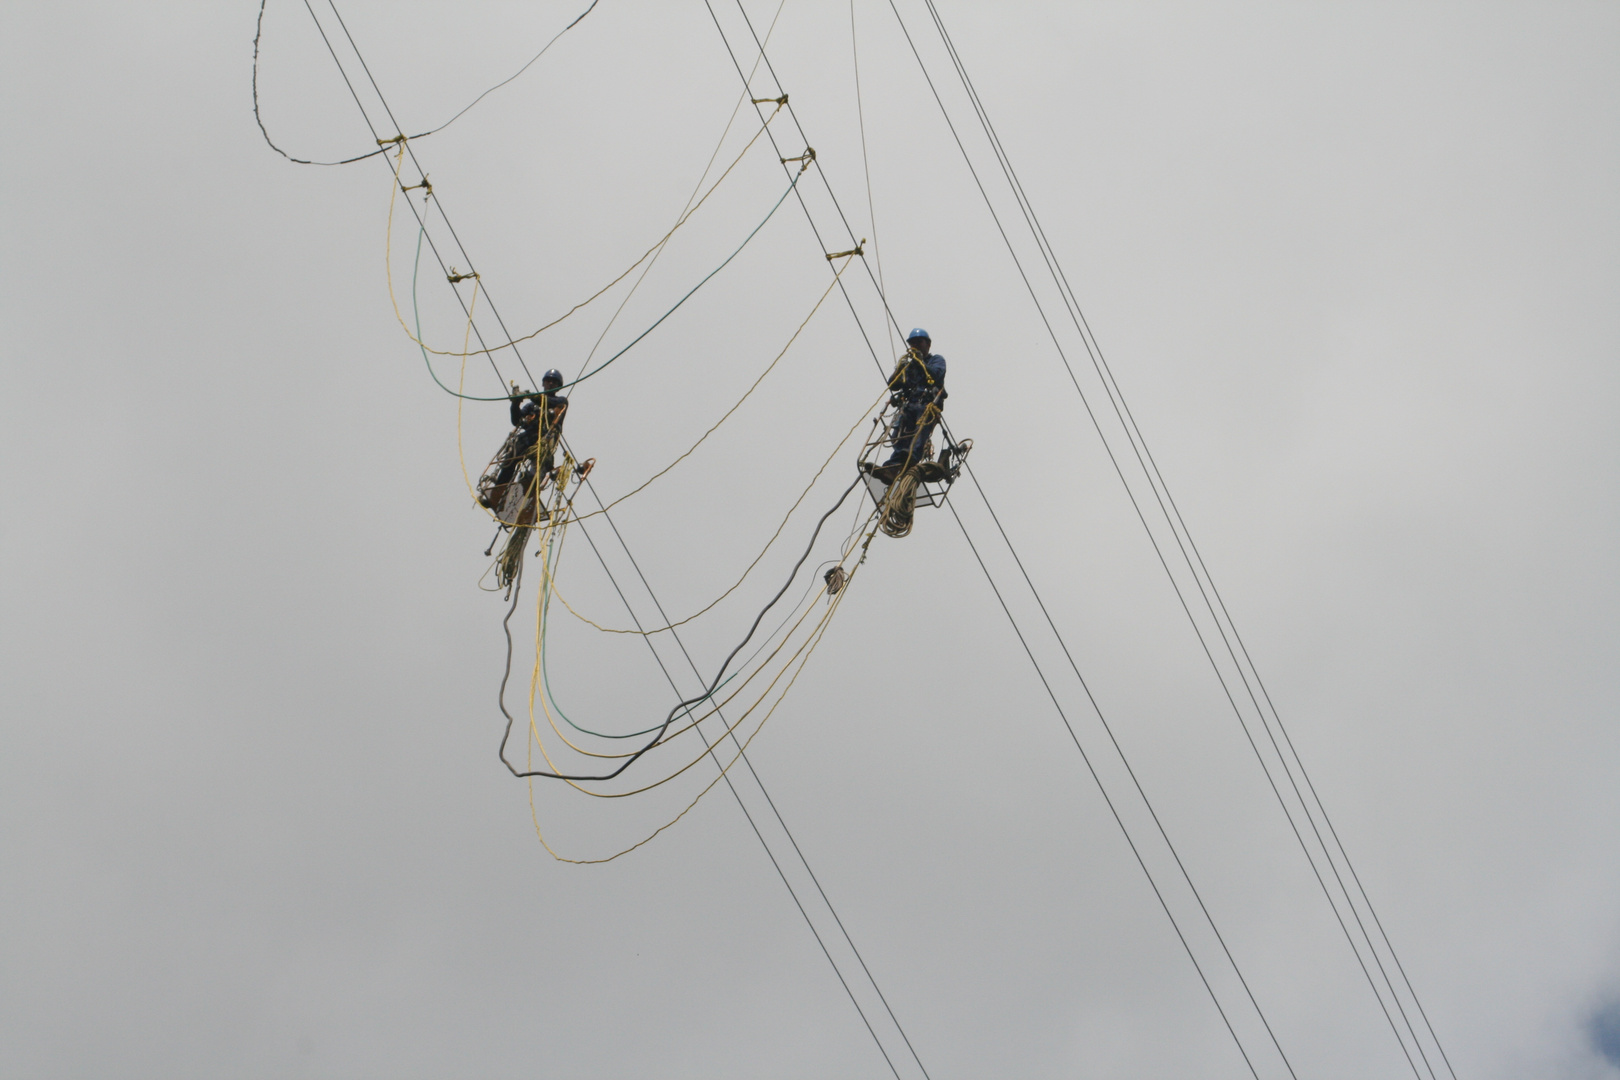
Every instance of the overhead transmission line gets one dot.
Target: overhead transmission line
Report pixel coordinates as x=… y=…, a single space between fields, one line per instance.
x=1124 y=828
x=1287 y=753
x=736 y=794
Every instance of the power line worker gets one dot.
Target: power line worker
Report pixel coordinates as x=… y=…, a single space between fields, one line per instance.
x=918 y=386
x=537 y=419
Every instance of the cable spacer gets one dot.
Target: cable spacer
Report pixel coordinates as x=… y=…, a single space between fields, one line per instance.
x=807 y=157
x=456 y=275
x=858 y=249
x=770 y=100
x=426 y=185
x=387 y=142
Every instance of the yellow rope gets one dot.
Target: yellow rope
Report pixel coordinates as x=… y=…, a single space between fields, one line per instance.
x=388 y=249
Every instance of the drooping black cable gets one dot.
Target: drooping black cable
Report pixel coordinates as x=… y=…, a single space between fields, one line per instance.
x=1173 y=518
x=258 y=31
x=708 y=692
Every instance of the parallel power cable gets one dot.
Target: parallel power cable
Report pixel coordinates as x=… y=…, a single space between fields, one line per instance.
x=1174 y=519
x=400 y=134
x=809 y=218
x=1171 y=510
x=837 y=971
x=432 y=246
x=742 y=99
x=258 y=31
x=863 y=332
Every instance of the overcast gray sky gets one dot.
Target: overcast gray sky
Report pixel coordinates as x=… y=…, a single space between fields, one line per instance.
x=1355 y=267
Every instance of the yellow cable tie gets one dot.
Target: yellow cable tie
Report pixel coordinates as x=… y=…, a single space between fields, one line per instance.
x=771 y=100
x=389 y=142
x=456 y=275
x=858 y=249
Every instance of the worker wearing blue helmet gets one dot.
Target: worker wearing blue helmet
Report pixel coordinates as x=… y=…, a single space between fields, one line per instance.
x=918 y=386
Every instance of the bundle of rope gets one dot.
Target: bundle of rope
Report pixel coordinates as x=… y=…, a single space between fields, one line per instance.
x=899 y=505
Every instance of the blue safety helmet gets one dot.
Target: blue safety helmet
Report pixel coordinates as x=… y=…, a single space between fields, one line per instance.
x=918 y=332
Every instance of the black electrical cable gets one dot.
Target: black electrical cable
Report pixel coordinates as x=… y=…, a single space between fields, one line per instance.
x=707 y=693
x=258 y=31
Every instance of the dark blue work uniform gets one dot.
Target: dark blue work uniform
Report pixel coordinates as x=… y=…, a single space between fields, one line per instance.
x=919 y=390
x=544 y=415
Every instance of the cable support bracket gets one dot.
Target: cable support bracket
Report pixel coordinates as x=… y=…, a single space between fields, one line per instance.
x=456 y=275
x=805 y=158
x=770 y=100
x=858 y=249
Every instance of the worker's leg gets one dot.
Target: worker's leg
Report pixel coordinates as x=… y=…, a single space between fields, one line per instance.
x=905 y=432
